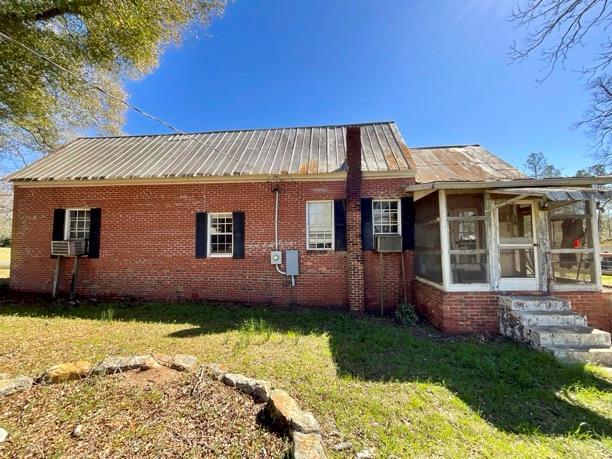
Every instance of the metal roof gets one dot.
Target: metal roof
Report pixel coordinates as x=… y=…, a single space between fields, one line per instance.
x=300 y=150
x=461 y=163
x=559 y=194
x=514 y=183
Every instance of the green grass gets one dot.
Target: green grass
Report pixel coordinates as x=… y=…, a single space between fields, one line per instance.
x=369 y=381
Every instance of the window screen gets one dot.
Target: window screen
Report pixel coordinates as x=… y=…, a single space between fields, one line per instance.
x=467 y=233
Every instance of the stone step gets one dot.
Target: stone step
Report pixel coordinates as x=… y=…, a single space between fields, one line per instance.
x=550 y=318
x=567 y=336
x=533 y=303
x=599 y=355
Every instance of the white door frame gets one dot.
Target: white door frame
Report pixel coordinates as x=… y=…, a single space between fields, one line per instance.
x=518 y=283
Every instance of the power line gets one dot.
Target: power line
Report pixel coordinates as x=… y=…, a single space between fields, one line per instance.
x=123 y=101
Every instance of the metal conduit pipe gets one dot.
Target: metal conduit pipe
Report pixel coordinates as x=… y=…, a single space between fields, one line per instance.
x=276 y=192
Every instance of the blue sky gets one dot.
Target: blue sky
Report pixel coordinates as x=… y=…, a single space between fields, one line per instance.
x=442 y=72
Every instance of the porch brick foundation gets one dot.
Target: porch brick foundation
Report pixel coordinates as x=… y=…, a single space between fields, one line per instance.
x=476 y=312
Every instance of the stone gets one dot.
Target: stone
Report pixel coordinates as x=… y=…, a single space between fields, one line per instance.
x=178 y=362
x=3 y=435
x=215 y=371
x=77 y=431
x=63 y=372
x=117 y=364
x=365 y=454
x=343 y=446
x=256 y=388
x=4 y=376
x=286 y=414
x=13 y=385
x=308 y=446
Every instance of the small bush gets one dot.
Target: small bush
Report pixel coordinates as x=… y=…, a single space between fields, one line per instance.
x=406 y=315
x=5 y=241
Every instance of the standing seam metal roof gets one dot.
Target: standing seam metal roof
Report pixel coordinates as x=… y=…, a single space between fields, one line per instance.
x=301 y=150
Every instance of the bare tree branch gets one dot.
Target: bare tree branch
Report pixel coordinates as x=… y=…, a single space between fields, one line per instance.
x=556 y=27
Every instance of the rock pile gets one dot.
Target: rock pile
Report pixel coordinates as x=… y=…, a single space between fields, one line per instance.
x=281 y=409
x=79 y=369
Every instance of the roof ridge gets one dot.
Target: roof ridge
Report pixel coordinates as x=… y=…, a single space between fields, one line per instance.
x=217 y=131
x=446 y=146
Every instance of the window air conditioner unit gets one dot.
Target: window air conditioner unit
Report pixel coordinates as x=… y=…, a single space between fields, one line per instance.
x=388 y=243
x=69 y=248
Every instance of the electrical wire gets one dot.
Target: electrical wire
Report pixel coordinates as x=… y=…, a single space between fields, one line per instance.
x=118 y=99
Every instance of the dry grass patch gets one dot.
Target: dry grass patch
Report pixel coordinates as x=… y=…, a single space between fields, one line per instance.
x=154 y=413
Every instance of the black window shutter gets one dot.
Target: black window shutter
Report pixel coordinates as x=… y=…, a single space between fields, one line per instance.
x=94 y=233
x=238 y=221
x=59 y=224
x=200 y=234
x=367 y=232
x=407 y=223
x=340 y=224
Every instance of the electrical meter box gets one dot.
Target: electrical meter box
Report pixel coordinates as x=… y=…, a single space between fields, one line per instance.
x=276 y=257
x=292 y=265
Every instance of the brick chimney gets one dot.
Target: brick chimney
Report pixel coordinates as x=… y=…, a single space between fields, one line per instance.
x=353 y=219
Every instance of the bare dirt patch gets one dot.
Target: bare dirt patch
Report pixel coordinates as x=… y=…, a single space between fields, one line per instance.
x=149 y=379
x=153 y=413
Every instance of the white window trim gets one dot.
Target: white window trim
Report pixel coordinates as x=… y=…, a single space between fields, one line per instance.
x=431 y=283
x=209 y=216
x=333 y=227
x=399 y=217
x=67 y=221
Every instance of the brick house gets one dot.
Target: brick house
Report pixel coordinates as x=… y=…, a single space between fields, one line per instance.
x=334 y=216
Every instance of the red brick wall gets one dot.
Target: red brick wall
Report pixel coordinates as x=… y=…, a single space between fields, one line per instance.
x=476 y=312
x=148 y=236
x=391 y=284
x=429 y=302
x=356 y=275
x=596 y=306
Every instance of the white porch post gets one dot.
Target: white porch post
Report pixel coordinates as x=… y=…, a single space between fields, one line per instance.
x=596 y=245
x=444 y=241
x=493 y=231
x=543 y=246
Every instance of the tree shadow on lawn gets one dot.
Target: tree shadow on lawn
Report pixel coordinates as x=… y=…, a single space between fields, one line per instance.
x=511 y=386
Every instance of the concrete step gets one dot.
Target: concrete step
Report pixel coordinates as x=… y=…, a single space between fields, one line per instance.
x=550 y=318
x=533 y=303
x=599 y=355
x=567 y=336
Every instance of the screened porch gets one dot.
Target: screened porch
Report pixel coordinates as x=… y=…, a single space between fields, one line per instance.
x=508 y=239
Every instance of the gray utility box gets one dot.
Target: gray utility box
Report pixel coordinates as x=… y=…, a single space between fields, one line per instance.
x=388 y=243
x=276 y=257
x=292 y=263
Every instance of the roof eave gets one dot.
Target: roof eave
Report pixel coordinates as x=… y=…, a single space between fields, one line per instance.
x=516 y=183
x=329 y=176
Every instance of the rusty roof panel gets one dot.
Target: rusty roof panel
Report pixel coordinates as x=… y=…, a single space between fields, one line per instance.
x=460 y=163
